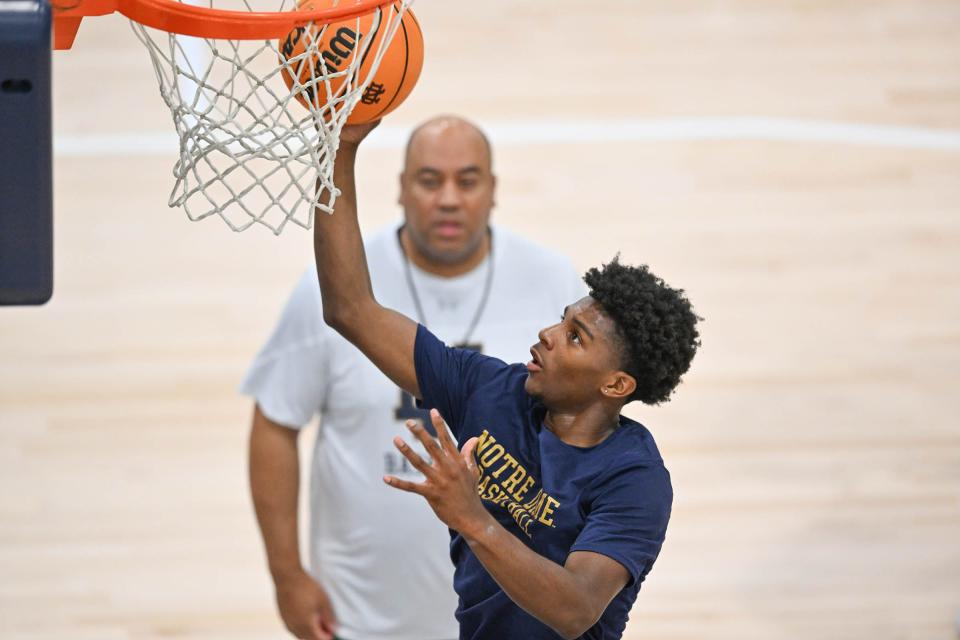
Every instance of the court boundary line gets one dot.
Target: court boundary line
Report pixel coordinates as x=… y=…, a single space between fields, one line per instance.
x=589 y=131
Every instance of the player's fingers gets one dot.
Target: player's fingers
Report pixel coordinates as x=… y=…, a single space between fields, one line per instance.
x=404 y=485
x=443 y=433
x=433 y=449
x=418 y=463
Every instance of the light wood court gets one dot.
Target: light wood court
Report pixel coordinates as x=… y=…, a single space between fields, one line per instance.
x=794 y=165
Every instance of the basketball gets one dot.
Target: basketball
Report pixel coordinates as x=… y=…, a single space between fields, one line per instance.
x=394 y=80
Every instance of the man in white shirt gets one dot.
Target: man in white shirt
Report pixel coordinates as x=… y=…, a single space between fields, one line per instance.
x=378 y=566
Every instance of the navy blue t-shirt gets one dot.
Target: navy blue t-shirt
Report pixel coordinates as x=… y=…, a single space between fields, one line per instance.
x=613 y=498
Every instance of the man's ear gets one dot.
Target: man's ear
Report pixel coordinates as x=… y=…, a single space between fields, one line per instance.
x=620 y=385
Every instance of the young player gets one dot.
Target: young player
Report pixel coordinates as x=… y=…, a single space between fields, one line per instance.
x=558 y=505
x=472 y=283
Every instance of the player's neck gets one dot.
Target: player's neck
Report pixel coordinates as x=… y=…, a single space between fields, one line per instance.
x=586 y=428
x=444 y=270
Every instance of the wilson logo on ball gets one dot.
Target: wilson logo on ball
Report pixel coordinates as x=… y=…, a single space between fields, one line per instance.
x=340 y=48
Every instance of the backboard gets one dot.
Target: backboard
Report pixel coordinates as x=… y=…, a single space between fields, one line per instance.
x=26 y=197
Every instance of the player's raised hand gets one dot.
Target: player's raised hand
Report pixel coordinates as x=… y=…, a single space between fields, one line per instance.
x=451 y=476
x=305 y=608
x=353 y=134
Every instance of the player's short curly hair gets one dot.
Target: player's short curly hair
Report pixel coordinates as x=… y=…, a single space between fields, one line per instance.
x=656 y=324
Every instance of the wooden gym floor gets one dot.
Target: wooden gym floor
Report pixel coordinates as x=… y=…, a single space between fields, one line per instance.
x=794 y=165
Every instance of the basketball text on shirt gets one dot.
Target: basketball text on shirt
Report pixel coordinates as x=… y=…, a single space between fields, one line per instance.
x=505 y=483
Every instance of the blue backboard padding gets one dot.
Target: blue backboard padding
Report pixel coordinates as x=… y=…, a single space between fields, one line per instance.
x=26 y=171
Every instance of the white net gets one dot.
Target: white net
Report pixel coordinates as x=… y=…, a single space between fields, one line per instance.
x=250 y=151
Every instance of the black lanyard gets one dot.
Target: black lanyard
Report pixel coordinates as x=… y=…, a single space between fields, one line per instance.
x=421 y=317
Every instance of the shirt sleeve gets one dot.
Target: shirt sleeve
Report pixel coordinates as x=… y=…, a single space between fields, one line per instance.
x=628 y=515
x=288 y=377
x=447 y=377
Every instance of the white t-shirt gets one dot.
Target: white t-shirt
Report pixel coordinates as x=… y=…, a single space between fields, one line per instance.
x=381 y=554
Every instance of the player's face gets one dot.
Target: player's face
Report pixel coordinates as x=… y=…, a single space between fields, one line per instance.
x=446 y=190
x=574 y=358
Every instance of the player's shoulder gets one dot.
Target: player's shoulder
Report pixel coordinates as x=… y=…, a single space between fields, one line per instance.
x=503 y=385
x=428 y=345
x=633 y=469
x=513 y=376
x=636 y=443
x=632 y=454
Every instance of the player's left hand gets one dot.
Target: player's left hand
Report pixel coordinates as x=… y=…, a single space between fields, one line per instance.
x=451 y=476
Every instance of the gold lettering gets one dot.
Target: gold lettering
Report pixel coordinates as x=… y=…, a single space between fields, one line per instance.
x=529 y=505
x=536 y=507
x=491 y=456
x=522 y=518
x=510 y=462
x=492 y=491
x=526 y=487
x=509 y=494
x=511 y=483
x=548 y=511
x=484 y=441
x=483 y=485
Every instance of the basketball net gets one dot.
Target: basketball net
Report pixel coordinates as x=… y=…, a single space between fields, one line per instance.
x=250 y=152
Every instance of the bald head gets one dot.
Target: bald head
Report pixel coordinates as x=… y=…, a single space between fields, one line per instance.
x=447 y=194
x=448 y=126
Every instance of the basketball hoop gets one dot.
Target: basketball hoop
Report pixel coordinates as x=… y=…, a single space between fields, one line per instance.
x=252 y=150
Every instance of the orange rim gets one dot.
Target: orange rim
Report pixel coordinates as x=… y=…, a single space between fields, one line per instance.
x=204 y=22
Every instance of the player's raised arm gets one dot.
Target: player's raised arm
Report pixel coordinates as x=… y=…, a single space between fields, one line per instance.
x=385 y=336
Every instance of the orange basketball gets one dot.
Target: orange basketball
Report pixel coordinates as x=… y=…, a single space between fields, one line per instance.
x=395 y=77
